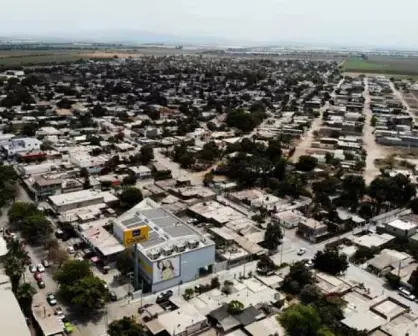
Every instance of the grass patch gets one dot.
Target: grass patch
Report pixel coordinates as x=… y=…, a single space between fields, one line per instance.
x=390 y=65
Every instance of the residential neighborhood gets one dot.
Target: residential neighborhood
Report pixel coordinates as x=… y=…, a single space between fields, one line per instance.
x=207 y=195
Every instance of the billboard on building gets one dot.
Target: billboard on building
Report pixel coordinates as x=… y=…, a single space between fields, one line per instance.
x=166 y=269
x=135 y=235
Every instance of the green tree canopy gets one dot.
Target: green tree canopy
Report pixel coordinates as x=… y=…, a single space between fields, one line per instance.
x=300 y=320
x=130 y=197
x=126 y=326
x=235 y=307
x=273 y=236
x=330 y=261
x=72 y=271
x=306 y=163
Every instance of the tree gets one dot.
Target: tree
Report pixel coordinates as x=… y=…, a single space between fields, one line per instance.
x=124 y=261
x=72 y=271
x=414 y=205
x=309 y=294
x=36 y=228
x=413 y=281
x=265 y=264
x=214 y=283
x=298 y=277
x=129 y=180
x=354 y=188
x=24 y=294
x=126 y=326
x=300 y=320
x=273 y=236
x=330 y=261
x=306 y=163
x=235 y=307
x=58 y=256
x=19 y=211
x=14 y=268
x=147 y=154
x=130 y=196
x=29 y=130
x=373 y=121
x=86 y=294
x=208 y=178
x=84 y=173
x=188 y=293
x=210 y=151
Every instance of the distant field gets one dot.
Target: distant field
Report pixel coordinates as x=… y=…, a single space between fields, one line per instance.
x=390 y=65
x=37 y=57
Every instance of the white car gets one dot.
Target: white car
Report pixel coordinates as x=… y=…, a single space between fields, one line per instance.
x=406 y=293
x=301 y=251
x=40 y=268
x=32 y=268
x=70 y=250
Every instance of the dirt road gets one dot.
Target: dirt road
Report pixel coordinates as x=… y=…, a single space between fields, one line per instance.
x=374 y=151
x=308 y=137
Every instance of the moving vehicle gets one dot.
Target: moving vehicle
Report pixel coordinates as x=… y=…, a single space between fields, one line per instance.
x=301 y=251
x=40 y=284
x=37 y=276
x=406 y=293
x=51 y=299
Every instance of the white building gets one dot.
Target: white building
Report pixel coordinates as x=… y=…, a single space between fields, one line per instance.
x=173 y=253
x=401 y=228
x=18 y=145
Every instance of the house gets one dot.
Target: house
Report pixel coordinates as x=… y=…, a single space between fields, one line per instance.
x=400 y=228
x=312 y=230
x=140 y=172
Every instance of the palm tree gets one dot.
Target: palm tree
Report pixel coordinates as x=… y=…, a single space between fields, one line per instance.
x=14 y=268
x=24 y=294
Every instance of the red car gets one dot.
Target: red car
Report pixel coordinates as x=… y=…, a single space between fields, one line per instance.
x=37 y=276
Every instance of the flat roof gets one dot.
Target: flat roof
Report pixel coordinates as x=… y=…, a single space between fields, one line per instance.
x=75 y=197
x=102 y=240
x=165 y=228
x=402 y=225
x=177 y=321
x=268 y=326
x=365 y=320
x=12 y=320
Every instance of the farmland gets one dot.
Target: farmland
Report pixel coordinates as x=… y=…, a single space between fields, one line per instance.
x=390 y=65
x=38 y=57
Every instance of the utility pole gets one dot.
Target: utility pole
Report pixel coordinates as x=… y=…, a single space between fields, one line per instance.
x=136 y=261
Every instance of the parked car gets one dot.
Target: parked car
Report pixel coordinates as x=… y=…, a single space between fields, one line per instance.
x=113 y=296
x=32 y=268
x=40 y=268
x=40 y=284
x=51 y=299
x=406 y=293
x=46 y=263
x=70 y=250
x=37 y=276
x=163 y=297
x=68 y=327
x=301 y=251
x=59 y=312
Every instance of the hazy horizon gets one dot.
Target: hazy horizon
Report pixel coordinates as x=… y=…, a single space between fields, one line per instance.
x=368 y=23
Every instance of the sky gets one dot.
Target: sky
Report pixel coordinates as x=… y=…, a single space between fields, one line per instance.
x=378 y=23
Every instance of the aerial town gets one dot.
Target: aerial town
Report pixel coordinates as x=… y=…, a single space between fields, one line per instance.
x=205 y=195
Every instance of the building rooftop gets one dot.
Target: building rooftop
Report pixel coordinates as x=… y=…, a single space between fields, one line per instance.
x=402 y=225
x=166 y=229
x=12 y=320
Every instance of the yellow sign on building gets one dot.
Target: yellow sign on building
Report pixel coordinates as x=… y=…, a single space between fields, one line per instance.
x=135 y=235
